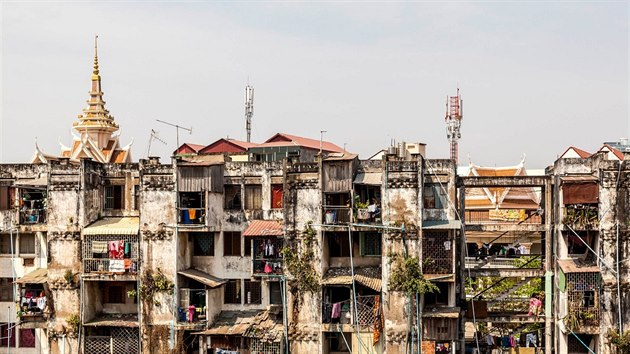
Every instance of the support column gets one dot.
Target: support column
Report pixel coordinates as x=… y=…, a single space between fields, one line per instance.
x=548 y=268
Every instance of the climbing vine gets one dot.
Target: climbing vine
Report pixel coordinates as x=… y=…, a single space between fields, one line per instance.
x=406 y=275
x=621 y=341
x=153 y=283
x=299 y=264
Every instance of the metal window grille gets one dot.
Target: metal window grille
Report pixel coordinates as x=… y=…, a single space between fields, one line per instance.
x=437 y=252
x=370 y=244
x=122 y=340
x=93 y=262
x=232 y=292
x=203 y=243
x=258 y=346
x=583 y=297
x=252 y=292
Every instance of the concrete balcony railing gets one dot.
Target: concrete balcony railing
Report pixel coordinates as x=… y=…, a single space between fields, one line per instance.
x=333 y=215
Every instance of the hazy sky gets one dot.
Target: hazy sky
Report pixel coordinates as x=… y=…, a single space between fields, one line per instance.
x=535 y=76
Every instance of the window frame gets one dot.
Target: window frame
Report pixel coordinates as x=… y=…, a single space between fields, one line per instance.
x=255 y=287
x=197 y=249
x=236 y=292
x=363 y=243
x=6 y=289
x=253 y=197
x=22 y=243
x=234 y=250
x=236 y=198
x=112 y=198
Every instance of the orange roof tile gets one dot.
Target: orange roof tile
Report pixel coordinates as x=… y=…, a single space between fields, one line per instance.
x=264 y=228
x=616 y=152
x=583 y=154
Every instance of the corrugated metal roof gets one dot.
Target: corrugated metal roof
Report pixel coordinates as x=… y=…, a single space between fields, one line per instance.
x=369 y=178
x=230 y=323
x=441 y=224
x=202 y=277
x=114 y=226
x=369 y=277
x=442 y=312
x=114 y=320
x=302 y=141
x=264 y=228
x=570 y=266
x=38 y=276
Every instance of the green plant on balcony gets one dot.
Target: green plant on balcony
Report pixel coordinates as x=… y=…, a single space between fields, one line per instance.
x=406 y=276
x=620 y=341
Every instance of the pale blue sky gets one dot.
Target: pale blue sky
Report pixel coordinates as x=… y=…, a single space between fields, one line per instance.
x=535 y=76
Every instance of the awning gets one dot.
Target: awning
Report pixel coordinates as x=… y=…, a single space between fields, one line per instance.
x=114 y=226
x=230 y=323
x=38 y=276
x=264 y=228
x=441 y=224
x=33 y=182
x=369 y=277
x=570 y=266
x=369 y=178
x=202 y=277
x=442 y=312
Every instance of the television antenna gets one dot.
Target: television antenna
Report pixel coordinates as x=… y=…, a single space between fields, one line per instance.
x=154 y=136
x=178 y=127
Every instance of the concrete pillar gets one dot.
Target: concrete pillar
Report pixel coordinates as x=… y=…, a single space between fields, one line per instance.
x=549 y=320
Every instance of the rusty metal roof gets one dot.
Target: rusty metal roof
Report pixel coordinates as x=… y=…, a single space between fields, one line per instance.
x=571 y=266
x=369 y=178
x=264 y=228
x=369 y=277
x=264 y=325
x=202 y=277
x=114 y=226
x=114 y=320
x=38 y=276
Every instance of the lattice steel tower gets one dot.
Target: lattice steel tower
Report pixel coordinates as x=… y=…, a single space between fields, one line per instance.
x=249 y=110
x=454 y=115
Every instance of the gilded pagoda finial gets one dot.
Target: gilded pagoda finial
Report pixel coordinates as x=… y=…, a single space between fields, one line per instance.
x=95 y=72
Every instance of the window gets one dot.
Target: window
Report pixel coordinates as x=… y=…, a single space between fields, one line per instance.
x=275 y=293
x=232 y=292
x=115 y=294
x=6 y=289
x=27 y=338
x=5 y=197
x=253 y=197
x=277 y=195
x=114 y=197
x=248 y=246
x=136 y=197
x=27 y=244
x=338 y=244
x=438 y=297
x=232 y=197
x=370 y=244
x=231 y=243
x=203 y=243
x=5 y=244
x=434 y=196
x=252 y=292
x=5 y=338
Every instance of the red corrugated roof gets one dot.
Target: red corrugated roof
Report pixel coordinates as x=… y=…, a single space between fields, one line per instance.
x=227 y=145
x=264 y=228
x=302 y=141
x=192 y=147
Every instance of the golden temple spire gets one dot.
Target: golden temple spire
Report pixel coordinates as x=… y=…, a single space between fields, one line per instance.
x=95 y=72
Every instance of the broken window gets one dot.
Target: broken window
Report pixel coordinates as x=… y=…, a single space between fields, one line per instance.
x=438 y=297
x=275 y=293
x=6 y=289
x=203 y=243
x=338 y=245
x=231 y=243
x=370 y=244
x=253 y=197
x=434 y=196
x=27 y=244
x=277 y=195
x=114 y=197
x=6 y=246
x=232 y=197
x=232 y=292
x=252 y=292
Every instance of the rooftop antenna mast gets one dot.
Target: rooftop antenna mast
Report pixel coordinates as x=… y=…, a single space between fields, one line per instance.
x=178 y=127
x=454 y=115
x=249 y=110
x=154 y=136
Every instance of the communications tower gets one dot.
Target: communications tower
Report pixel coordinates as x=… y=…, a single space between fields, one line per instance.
x=454 y=115
x=249 y=110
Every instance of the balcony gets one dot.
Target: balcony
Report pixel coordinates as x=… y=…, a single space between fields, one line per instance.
x=110 y=254
x=267 y=259
x=334 y=215
x=192 y=308
x=192 y=216
x=32 y=216
x=368 y=313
